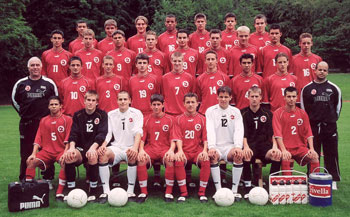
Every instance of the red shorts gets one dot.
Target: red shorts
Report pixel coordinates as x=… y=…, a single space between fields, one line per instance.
x=192 y=157
x=298 y=154
x=48 y=158
x=155 y=154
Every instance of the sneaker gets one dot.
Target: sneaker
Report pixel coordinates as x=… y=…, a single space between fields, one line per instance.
x=103 y=198
x=59 y=197
x=334 y=186
x=49 y=181
x=142 y=198
x=191 y=184
x=238 y=197
x=181 y=199
x=131 y=197
x=169 y=198
x=156 y=184
x=203 y=199
x=116 y=184
x=92 y=198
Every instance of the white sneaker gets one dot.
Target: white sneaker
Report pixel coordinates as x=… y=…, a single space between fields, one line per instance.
x=334 y=186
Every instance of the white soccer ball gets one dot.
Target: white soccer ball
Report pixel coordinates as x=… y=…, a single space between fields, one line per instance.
x=76 y=198
x=258 y=196
x=224 y=197
x=117 y=197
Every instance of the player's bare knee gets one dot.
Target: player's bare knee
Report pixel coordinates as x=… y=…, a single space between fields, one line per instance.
x=237 y=160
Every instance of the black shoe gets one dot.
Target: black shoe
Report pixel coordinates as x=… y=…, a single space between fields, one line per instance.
x=92 y=198
x=131 y=197
x=203 y=199
x=169 y=198
x=103 y=198
x=59 y=198
x=142 y=198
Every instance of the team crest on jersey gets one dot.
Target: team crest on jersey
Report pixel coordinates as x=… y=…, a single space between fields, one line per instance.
x=313 y=92
x=150 y=86
x=63 y=62
x=220 y=83
x=116 y=87
x=165 y=128
x=131 y=120
x=232 y=117
x=191 y=59
x=60 y=129
x=207 y=43
x=236 y=42
x=300 y=122
x=96 y=59
x=82 y=88
x=157 y=62
x=27 y=88
x=263 y=118
x=198 y=127
x=313 y=66
x=127 y=60
x=97 y=121
x=185 y=83
x=292 y=84
x=222 y=60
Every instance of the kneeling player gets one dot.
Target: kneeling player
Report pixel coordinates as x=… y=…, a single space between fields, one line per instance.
x=157 y=145
x=51 y=137
x=125 y=125
x=293 y=133
x=192 y=147
x=88 y=132
x=225 y=138
x=258 y=142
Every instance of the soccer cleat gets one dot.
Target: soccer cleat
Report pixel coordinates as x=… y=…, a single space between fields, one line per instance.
x=238 y=197
x=92 y=198
x=49 y=181
x=102 y=199
x=334 y=186
x=131 y=197
x=142 y=198
x=59 y=197
x=169 y=198
x=203 y=199
x=181 y=199
x=156 y=184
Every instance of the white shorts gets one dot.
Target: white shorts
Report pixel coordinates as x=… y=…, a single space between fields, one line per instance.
x=223 y=152
x=119 y=155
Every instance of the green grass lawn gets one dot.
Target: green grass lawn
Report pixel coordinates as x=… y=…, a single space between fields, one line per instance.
x=155 y=206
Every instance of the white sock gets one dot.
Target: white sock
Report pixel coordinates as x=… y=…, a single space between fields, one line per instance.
x=131 y=174
x=215 y=173
x=236 y=176
x=104 y=175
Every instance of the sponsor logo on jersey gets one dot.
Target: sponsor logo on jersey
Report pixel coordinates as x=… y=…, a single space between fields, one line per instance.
x=292 y=84
x=96 y=59
x=313 y=91
x=150 y=86
x=63 y=62
x=198 y=127
x=127 y=60
x=60 y=129
x=207 y=43
x=263 y=118
x=43 y=87
x=185 y=83
x=191 y=59
x=165 y=128
x=97 y=121
x=222 y=60
x=157 y=62
x=27 y=88
x=244 y=50
x=313 y=66
x=320 y=191
x=220 y=83
x=131 y=120
x=82 y=88
x=300 y=122
x=116 y=87
x=232 y=117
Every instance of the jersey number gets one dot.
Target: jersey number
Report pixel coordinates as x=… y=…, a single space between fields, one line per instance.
x=224 y=122
x=189 y=134
x=74 y=95
x=306 y=72
x=157 y=135
x=89 y=128
x=119 y=67
x=294 y=129
x=53 y=136
x=123 y=123
x=177 y=89
x=88 y=65
x=55 y=68
x=143 y=93
x=212 y=90
x=256 y=124
x=108 y=93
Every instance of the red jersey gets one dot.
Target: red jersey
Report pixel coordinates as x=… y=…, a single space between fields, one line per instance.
x=274 y=86
x=78 y=44
x=158 y=63
x=55 y=64
x=141 y=89
x=137 y=43
x=259 y=40
x=236 y=52
x=158 y=132
x=292 y=126
x=92 y=61
x=304 y=68
x=199 y=41
x=223 y=60
x=72 y=92
x=207 y=86
x=240 y=85
x=53 y=133
x=174 y=88
x=229 y=39
x=190 y=62
x=108 y=89
x=191 y=130
x=124 y=61
x=266 y=59
x=106 y=45
x=167 y=42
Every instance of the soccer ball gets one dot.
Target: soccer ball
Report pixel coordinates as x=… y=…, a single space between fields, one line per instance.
x=76 y=198
x=117 y=197
x=224 y=197
x=258 y=196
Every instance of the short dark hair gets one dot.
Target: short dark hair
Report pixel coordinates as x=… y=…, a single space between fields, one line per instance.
x=124 y=91
x=230 y=14
x=209 y=52
x=214 y=31
x=142 y=56
x=246 y=56
x=190 y=94
x=275 y=26
x=57 y=31
x=120 y=32
x=181 y=31
x=225 y=89
x=91 y=92
x=260 y=16
x=200 y=15
x=75 y=58
x=81 y=21
x=281 y=54
x=170 y=16
x=157 y=98
x=290 y=89
x=55 y=98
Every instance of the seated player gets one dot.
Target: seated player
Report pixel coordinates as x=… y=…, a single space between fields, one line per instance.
x=125 y=125
x=225 y=138
x=192 y=147
x=258 y=142
x=293 y=133
x=51 y=138
x=157 y=146
x=88 y=132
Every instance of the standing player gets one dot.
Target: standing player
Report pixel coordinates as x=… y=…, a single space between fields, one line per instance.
x=275 y=84
x=260 y=38
x=51 y=138
x=258 y=141
x=176 y=84
x=91 y=57
x=73 y=89
x=143 y=85
x=124 y=58
x=109 y=85
x=322 y=100
x=89 y=130
x=77 y=44
x=266 y=59
x=157 y=145
x=107 y=44
x=293 y=133
x=304 y=63
x=192 y=147
x=137 y=43
x=223 y=55
x=199 y=40
x=30 y=98
x=225 y=138
x=241 y=83
x=55 y=60
x=243 y=47
x=229 y=35
x=209 y=82
x=125 y=125
x=167 y=40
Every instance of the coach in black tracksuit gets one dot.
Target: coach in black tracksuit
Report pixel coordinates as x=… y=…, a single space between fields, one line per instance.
x=30 y=98
x=322 y=101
